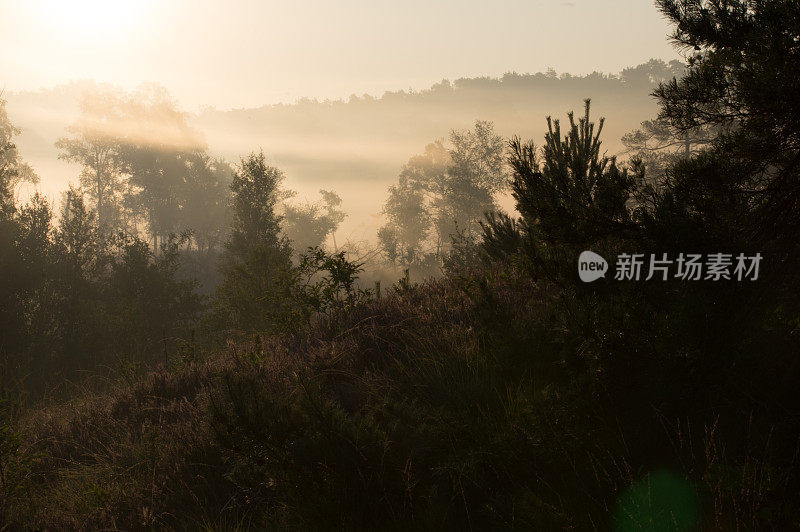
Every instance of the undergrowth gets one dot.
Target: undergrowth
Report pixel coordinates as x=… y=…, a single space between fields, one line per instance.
x=457 y=404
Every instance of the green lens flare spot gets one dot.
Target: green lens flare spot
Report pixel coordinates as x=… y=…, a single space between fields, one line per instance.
x=661 y=501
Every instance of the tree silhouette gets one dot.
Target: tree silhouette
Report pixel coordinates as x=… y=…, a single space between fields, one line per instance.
x=569 y=196
x=256 y=292
x=308 y=225
x=11 y=162
x=443 y=194
x=93 y=144
x=742 y=58
x=659 y=145
x=205 y=200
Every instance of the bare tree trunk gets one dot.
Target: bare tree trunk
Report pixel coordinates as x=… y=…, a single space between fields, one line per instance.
x=99 y=197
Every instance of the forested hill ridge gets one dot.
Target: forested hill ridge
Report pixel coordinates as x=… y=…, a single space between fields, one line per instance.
x=358 y=146
x=398 y=122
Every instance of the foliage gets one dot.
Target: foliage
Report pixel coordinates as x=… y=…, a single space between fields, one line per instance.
x=445 y=405
x=11 y=162
x=144 y=294
x=328 y=281
x=309 y=225
x=507 y=395
x=660 y=146
x=698 y=355
x=569 y=197
x=145 y=169
x=256 y=292
x=206 y=200
x=82 y=299
x=408 y=222
x=441 y=194
x=93 y=146
x=16 y=462
x=739 y=54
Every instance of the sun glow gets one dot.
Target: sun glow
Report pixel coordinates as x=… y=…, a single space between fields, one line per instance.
x=90 y=19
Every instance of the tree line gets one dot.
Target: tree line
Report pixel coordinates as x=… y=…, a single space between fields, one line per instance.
x=156 y=248
x=159 y=245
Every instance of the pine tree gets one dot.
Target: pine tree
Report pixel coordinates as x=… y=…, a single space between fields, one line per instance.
x=743 y=58
x=257 y=291
x=570 y=193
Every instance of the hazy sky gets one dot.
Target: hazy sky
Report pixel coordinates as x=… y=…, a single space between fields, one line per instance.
x=244 y=53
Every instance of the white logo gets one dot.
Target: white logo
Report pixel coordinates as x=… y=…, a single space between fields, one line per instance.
x=591 y=266
x=684 y=267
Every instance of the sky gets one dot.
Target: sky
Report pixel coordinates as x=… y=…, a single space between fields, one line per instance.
x=249 y=53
